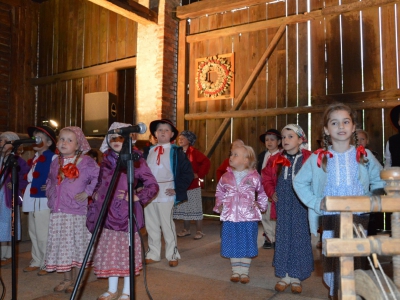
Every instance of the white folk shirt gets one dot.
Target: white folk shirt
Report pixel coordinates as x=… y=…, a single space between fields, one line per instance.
x=267 y=156
x=162 y=172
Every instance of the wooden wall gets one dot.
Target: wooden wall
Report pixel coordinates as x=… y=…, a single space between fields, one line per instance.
x=79 y=35
x=349 y=57
x=18 y=33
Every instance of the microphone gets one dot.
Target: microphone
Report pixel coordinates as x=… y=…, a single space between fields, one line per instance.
x=139 y=128
x=33 y=140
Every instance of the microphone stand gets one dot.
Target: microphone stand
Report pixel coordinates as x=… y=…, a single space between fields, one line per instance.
x=12 y=163
x=129 y=158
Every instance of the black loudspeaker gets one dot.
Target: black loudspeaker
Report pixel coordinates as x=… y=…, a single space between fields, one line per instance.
x=100 y=111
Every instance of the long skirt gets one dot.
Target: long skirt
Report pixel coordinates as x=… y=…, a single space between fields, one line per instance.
x=239 y=239
x=191 y=209
x=67 y=243
x=111 y=258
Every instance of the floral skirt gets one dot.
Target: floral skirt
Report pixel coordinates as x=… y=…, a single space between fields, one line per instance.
x=111 y=258
x=67 y=242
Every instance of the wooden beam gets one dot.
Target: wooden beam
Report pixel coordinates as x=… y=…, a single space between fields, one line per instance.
x=276 y=22
x=90 y=71
x=270 y=112
x=181 y=88
x=209 y=7
x=245 y=90
x=357 y=96
x=132 y=10
x=251 y=27
x=359 y=5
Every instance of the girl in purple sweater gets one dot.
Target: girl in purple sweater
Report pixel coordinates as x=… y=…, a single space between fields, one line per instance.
x=71 y=180
x=111 y=258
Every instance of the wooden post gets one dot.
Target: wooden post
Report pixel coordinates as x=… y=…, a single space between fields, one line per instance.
x=347 y=282
x=392 y=178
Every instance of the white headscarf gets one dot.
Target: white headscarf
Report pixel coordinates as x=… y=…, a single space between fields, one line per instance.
x=104 y=146
x=300 y=133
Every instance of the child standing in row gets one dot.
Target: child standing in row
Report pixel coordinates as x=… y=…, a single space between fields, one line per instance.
x=337 y=170
x=35 y=200
x=193 y=208
x=174 y=173
x=109 y=261
x=272 y=140
x=240 y=209
x=72 y=178
x=293 y=259
x=6 y=194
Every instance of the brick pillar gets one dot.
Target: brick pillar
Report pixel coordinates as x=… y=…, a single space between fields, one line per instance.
x=156 y=67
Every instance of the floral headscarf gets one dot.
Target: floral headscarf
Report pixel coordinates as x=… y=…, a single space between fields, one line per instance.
x=80 y=137
x=300 y=133
x=104 y=146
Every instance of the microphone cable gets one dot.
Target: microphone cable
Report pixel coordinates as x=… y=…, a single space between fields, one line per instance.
x=143 y=259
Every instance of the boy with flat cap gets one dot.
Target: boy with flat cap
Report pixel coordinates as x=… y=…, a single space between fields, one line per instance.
x=35 y=200
x=174 y=174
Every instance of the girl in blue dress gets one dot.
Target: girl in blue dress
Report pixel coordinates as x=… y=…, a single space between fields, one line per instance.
x=293 y=259
x=337 y=170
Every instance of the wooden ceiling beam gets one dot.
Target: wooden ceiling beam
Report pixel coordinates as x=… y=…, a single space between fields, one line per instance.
x=131 y=10
x=86 y=72
x=209 y=7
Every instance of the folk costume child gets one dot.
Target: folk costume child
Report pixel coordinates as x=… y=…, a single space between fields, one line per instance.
x=337 y=170
x=240 y=209
x=6 y=195
x=71 y=179
x=111 y=258
x=293 y=259
x=174 y=174
x=272 y=140
x=193 y=208
x=35 y=200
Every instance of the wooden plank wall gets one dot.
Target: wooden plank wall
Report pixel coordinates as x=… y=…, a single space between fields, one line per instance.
x=77 y=34
x=353 y=52
x=18 y=21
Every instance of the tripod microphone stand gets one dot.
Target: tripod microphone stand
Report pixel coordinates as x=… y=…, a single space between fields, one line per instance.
x=126 y=157
x=12 y=163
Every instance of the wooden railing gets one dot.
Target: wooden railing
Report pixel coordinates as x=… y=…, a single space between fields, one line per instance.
x=347 y=247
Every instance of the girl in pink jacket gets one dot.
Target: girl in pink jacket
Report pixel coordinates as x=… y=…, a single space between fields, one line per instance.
x=240 y=211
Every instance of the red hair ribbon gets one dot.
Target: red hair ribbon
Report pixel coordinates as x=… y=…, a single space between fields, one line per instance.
x=281 y=160
x=361 y=150
x=321 y=153
x=70 y=171
x=160 y=150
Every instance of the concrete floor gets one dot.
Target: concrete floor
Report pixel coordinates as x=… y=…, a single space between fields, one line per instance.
x=201 y=274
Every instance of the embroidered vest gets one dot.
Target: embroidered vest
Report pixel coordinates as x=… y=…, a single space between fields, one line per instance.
x=40 y=173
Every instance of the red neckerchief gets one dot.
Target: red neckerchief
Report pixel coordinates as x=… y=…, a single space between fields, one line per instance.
x=321 y=153
x=281 y=160
x=160 y=150
x=361 y=150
